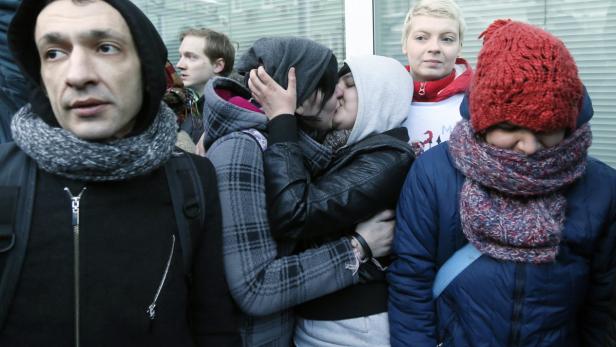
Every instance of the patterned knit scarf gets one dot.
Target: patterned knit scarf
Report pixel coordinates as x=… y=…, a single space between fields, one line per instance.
x=336 y=139
x=512 y=205
x=59 y=152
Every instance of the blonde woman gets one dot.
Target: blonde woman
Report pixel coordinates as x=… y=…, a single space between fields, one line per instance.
x=432 y=40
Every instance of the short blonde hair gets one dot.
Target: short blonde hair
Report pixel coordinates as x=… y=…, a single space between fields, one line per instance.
x=434 y=8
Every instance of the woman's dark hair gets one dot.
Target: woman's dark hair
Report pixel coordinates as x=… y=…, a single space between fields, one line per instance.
x=327 y=83
x=345 y=69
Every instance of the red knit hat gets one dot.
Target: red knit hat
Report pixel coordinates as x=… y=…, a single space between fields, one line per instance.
x=524 y=76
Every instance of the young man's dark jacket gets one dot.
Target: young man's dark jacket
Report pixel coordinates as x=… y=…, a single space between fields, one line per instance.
x=127 y=233
x=346 y=190
x=310 y=205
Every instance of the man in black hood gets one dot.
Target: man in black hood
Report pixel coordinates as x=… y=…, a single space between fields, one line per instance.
x=94 y=243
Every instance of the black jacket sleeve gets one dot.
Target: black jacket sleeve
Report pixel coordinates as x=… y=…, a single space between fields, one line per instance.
x=214 y=315
x=363 y=180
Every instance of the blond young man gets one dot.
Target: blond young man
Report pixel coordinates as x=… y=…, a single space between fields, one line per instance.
x=204 y=53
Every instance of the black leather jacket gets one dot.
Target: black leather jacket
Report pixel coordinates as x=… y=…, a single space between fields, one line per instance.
x=360 y=181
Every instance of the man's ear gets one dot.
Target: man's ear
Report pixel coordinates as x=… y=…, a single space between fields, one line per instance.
x=219 y=65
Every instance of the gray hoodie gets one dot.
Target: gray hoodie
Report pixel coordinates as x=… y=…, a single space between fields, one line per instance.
x=384 y=90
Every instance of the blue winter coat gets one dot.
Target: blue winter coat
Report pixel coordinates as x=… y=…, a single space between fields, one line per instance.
x=493 y=302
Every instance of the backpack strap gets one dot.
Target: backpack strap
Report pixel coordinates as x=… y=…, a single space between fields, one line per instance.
x=17 y=186
x=188 y=203
x=454 y=266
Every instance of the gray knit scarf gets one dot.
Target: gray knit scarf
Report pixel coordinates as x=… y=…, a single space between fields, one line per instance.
x=59 y=152
x=512 y=205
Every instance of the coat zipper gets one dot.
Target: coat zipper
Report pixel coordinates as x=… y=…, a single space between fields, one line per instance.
x=75 y=200
x=518 y=295
x=151 y=310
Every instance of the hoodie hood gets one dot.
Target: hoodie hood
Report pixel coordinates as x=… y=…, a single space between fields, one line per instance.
x=221 y=117
x=278 y=54
x=384 y=91
x=150 y=48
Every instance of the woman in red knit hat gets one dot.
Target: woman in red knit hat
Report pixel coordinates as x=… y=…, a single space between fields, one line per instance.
x=432 y=40
x=503 y=233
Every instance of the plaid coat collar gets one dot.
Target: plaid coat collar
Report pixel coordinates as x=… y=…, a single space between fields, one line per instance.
x=221 y=117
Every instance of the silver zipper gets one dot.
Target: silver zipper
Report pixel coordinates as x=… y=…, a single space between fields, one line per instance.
x=422 y=88
x=75 y=200
x=151 y=310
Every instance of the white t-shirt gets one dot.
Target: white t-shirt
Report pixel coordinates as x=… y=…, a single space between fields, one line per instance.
x=430 y=123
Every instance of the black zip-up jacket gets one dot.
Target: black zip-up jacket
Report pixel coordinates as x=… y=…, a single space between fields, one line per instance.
x=313 y=206
x=126 y=230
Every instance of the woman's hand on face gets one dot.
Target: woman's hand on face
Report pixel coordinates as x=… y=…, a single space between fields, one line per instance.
x=378 y=232
x=274 y=99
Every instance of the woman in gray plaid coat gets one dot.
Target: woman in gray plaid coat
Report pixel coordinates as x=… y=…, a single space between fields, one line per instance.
x=264 y=283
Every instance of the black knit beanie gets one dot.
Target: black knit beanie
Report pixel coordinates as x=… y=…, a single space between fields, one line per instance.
x=150 y=47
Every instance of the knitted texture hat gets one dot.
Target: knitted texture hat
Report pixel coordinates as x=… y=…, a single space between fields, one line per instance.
x=524 y=76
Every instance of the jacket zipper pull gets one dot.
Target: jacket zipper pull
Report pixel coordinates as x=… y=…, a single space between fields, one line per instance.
x=75 y=207
x=422 y=89
x=75 y=200
x=151 y=310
